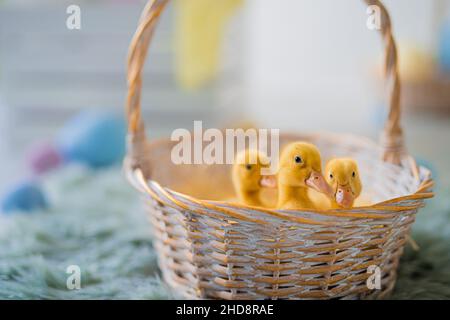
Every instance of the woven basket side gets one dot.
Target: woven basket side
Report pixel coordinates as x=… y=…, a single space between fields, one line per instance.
x=243 y=260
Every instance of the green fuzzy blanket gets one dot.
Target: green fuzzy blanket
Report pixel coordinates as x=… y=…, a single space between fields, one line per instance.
x=96 y=223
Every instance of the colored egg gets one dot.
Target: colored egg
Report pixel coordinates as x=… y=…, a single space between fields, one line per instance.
x=416 y=63
x=444 y=47
x=93 y=138
x=43 y=157
x=430 y=166
x=25 y=197
x=377 y=115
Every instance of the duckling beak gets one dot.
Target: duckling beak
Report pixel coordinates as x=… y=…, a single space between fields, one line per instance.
x=344 y=196
x=318 y=183
x=268 y=182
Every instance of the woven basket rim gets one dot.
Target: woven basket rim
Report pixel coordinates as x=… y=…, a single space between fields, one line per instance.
x=381 y=210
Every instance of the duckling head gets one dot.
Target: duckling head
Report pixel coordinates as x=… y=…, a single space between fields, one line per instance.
x=301 y=166
x=247 y=170
x=343 y=177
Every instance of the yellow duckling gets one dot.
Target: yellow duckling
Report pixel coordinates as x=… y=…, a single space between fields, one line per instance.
x=248 y=180
x=343 y=177
x=300 y=168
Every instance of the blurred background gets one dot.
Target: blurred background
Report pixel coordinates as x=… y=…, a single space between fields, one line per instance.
x=289 y=64
x=302 y=65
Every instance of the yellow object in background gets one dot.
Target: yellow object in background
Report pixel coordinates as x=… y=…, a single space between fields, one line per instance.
x=200 y=27
x=416 y=63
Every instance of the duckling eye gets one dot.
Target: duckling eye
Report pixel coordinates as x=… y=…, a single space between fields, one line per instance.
x=331 y=176
x=298 y=159
x=248 y=167
x=353 y=174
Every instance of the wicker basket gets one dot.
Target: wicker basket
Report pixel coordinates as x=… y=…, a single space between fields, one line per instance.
x=214 y=249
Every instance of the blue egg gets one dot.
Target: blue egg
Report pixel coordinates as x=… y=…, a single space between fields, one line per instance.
x=377 y=115
x=427 y=164
x=25 y=197
x=93 y=138
x=444 y=47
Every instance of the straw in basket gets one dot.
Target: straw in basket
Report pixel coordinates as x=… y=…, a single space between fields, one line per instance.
x=214 y=249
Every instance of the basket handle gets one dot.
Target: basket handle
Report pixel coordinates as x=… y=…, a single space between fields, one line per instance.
x=392 y=140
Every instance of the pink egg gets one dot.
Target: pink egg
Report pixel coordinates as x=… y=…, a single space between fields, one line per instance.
x=43 y=157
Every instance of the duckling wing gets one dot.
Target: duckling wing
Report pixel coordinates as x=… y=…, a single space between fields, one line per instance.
x=269 y=197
